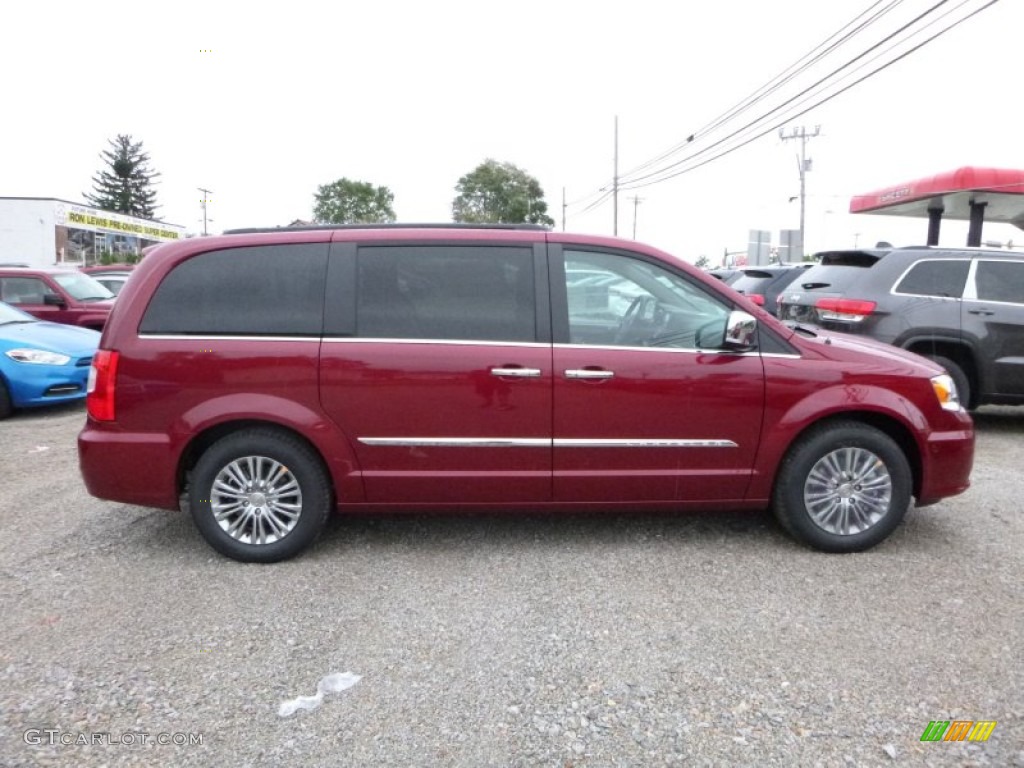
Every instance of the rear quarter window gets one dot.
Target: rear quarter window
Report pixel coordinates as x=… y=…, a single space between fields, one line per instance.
x=273 y=290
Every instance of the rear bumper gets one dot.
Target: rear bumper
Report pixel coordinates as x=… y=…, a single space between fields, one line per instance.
x=131 y=468
x=946 y=469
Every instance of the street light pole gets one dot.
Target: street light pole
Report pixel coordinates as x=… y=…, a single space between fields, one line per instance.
x=803 y=166
x=203 y=202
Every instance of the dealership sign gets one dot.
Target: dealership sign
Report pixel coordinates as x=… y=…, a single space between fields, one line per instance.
x=95 y=220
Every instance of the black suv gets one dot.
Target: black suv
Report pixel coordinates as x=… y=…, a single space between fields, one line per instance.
x=961 y=307
x=763 y=285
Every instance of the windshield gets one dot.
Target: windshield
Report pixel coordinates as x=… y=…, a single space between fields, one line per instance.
x=82 y=287
x=9 y=314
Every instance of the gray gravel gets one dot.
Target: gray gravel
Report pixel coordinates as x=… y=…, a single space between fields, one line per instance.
x=506 y=641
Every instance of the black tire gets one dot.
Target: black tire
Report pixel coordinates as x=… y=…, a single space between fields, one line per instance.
x=963 y=384
x=6 y=407
x=292 y=513
x=874 y=512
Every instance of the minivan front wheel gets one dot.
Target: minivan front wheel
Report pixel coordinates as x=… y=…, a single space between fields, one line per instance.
x=259 y=496
x=843 y=487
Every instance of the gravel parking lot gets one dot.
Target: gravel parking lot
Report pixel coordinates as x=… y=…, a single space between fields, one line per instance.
x=505 y=641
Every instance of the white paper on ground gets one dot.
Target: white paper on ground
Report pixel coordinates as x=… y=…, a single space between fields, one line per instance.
x=333 y=683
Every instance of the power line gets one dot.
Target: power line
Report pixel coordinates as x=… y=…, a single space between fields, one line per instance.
x=779 y=124
x=795 y=98
x=811 y=92
x=798 y=67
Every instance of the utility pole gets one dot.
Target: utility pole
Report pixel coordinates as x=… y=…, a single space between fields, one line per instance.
x=615 y=183
x=203 y=202
x=803 y=165
x=636 y=201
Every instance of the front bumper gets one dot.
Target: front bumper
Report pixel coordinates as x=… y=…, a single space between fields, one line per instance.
x=948 y=460
x=34 y=385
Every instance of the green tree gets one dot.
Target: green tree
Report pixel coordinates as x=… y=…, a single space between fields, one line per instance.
x=125 y=185
x=500 y=193
x=352 y=202
x=702 y=262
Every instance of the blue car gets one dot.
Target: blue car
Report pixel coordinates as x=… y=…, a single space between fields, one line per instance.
x=41 y=362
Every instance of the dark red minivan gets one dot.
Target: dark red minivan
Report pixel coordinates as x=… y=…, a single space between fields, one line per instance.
x=273 y=377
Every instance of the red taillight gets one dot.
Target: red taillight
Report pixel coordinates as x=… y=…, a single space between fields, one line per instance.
x=851 y=310
x=102 y=385
x=757 y=298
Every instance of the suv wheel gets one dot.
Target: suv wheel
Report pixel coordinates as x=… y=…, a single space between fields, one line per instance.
x=259 y=496
x=963 y=384
x=844 y=487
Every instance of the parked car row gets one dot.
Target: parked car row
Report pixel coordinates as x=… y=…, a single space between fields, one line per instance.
x=961 y=307
x=41 y=363
x=50 y=320
x=66 y=296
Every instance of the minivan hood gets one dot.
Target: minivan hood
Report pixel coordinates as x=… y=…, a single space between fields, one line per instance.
x=825 y=341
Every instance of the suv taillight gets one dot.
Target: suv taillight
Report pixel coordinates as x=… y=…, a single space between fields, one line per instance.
x=757 y=298
x=844 y=310
x=102 y=387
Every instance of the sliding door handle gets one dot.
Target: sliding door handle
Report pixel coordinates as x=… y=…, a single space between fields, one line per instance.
x=519 y=373
x=587 y=373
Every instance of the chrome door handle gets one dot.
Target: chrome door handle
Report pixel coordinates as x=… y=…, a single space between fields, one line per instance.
x=583 y=373
x=980 y=312
x=521 y=373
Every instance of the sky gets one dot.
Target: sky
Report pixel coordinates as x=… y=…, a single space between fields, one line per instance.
x=263 y=102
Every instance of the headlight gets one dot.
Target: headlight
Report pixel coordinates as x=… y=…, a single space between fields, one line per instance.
x=945 y=391
x=38 y=356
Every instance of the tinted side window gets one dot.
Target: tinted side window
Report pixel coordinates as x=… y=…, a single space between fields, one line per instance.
x=1001 y=281
x=272 y=290
x=23 y=290
x=475 y=293
x=935 y=278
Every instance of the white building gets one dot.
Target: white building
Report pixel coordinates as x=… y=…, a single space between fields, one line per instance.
x=42 y=232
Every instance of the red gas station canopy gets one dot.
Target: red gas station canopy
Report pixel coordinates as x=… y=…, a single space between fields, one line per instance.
x=1000 y=190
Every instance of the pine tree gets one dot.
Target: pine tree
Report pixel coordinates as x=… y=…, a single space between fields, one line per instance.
x=126 y=186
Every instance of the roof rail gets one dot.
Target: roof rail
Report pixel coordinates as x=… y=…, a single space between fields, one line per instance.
x=432 y=225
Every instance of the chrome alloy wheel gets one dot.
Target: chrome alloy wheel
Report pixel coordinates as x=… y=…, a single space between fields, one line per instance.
x=256 y=500
x=848 y=491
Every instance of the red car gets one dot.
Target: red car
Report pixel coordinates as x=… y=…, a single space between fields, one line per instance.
x=58 y=295
x=275 y=377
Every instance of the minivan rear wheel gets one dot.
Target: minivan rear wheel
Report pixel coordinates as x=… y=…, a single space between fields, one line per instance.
x=963 y=384
x=259 y=496
x=843 y=487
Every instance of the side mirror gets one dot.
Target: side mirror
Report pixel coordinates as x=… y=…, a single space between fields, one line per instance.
x=740 y=331
x=53 y=300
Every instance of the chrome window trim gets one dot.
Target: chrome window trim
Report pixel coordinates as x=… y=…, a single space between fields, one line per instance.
x=457 y=342
x=541 y=442
x=677 y=350
x=209 y=337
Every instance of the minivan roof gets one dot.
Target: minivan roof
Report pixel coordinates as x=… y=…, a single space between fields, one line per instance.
x=392 y=225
